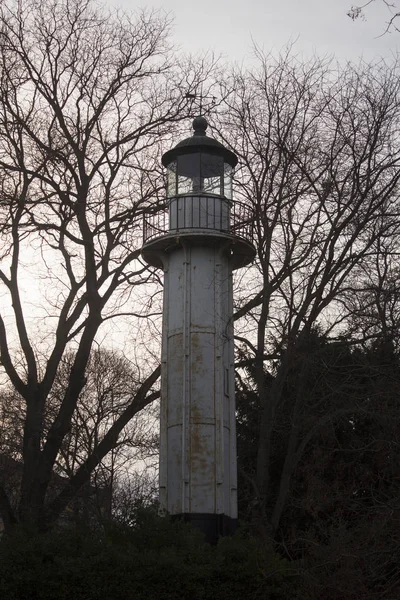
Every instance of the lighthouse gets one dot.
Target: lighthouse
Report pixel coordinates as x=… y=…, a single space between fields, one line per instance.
x=201 y=237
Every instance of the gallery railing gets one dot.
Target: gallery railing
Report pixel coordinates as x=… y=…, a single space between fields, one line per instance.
x=200 y=212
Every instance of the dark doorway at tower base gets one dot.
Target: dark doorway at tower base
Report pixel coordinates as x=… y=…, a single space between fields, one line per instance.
x=211 y=525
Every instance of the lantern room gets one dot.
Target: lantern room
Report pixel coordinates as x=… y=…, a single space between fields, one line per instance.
x=199 y=165
x=199 y=206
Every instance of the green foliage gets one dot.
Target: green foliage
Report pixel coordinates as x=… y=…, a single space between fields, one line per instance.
x=155 y=559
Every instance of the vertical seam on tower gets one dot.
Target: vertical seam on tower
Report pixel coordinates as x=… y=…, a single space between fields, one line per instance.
x=232 y=403
x=163 y=474
x=218 y=384
x=185 y=382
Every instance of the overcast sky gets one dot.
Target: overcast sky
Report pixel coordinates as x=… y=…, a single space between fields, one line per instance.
x=228 y=27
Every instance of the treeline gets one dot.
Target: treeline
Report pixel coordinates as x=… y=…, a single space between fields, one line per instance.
x=152 y=558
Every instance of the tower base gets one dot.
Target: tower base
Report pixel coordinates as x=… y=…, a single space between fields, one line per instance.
x=211 y=525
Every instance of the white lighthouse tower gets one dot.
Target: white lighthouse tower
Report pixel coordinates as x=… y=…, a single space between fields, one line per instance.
x=201 y=238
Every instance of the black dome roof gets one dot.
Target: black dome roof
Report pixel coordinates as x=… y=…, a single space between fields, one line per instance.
x=199 y=142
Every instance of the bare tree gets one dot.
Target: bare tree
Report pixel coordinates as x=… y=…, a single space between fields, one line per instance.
x=319 y=162
x=111 y=381
x=85 y=99
x=358 y=12
x=373 y=298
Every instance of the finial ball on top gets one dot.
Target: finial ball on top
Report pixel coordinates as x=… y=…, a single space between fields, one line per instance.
x=200 y=125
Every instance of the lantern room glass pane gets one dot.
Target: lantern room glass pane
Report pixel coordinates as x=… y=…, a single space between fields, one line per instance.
x=228 y=174
x=212 y=168
x=171 y=179
x=199 y=172
x=188 y=173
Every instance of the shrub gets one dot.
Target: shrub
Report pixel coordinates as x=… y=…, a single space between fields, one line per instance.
x=155 y=559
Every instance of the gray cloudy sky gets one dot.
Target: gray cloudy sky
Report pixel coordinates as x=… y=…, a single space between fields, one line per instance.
x=322 y=26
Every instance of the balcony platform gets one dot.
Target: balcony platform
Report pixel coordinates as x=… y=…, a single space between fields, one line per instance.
x=201 y=219
x=242 y=250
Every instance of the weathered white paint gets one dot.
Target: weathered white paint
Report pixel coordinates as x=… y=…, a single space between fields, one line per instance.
x=198 y=434
x=197 y=428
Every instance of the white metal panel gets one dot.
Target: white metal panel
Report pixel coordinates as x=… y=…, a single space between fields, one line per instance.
x=202 y=452
x=174 y=464
x=202 y=313
x=175 y=379
x=203 y=398
x=174 y=281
